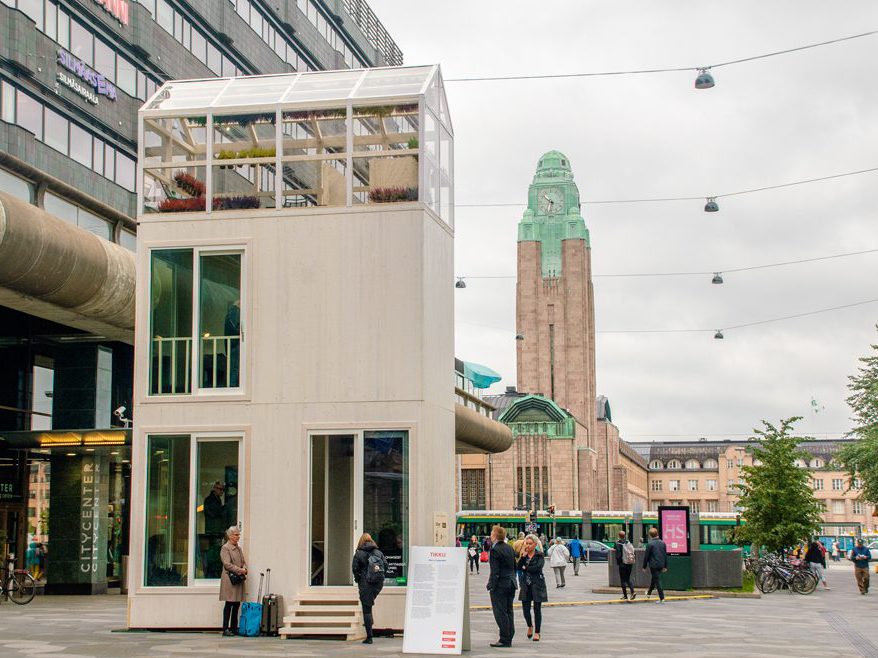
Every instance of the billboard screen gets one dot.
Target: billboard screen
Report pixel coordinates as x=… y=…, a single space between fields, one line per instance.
x=674 y=529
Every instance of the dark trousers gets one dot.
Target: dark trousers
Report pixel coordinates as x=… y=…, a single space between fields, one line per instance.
x=367 y=618
x=625 y=577
x=501 y=605
x=656 y=583
x=537 y=620
x=230 y=616
x=474 y=562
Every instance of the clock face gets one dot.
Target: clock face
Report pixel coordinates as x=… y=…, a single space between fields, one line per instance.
x=550 y=201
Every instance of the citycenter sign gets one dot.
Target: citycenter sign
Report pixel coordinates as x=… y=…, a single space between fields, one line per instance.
x=95 y=83
x=118 y=8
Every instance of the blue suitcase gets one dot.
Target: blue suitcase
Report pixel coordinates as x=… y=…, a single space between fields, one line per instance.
x=251 y=615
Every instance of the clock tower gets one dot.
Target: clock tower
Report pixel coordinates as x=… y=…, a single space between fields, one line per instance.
x=555 y=300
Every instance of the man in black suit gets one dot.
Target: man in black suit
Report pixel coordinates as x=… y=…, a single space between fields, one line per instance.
x=501 y=585
x=656 y=560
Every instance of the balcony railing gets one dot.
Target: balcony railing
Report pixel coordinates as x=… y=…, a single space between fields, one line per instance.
x=375 y=32
x=172 y=363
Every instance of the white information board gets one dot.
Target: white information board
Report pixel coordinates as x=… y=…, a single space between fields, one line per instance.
x=435 y=603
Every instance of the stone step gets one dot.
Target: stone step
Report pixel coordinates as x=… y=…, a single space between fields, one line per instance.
x=345 y=632
x=299 y=607
x=339 y=620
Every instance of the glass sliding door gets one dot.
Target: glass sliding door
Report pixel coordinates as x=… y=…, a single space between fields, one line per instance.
x=216 y=502
x=386 y=498
x=332 y=523
x=219 y=319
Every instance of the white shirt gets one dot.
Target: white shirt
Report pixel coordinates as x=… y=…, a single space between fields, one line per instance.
x=558 y=555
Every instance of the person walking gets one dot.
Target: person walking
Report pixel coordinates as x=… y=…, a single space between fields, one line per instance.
x=576 y=553
x=625 y=559
x=558 y=555
x=501 y=585
x=533 y=585
x=486 y=545
x=816 y=560
x=518 y=544
x=472 y=552
x=836 y=551
x=656 y=560
x=369 y=568
x=232 y=580
x=860 y=556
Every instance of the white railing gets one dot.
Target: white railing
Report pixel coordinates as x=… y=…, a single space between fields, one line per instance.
x=176 y=350
x=217 y=351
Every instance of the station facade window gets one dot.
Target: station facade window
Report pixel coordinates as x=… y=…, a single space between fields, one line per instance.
x=191 y=500
x=195 y=292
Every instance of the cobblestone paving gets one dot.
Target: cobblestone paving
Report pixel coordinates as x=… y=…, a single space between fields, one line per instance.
x=837 y=622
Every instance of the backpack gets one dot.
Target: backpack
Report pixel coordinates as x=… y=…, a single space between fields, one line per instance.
x=628 y=555
x=376 y=568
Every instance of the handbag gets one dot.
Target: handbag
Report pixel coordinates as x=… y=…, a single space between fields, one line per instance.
x=483 y=556
x=236 y=578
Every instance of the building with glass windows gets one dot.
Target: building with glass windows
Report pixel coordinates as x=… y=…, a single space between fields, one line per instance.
x=73 y=74
x=293 y=339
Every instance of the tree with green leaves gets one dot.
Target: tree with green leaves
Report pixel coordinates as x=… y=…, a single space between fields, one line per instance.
x=860 y=458
x=779 y=507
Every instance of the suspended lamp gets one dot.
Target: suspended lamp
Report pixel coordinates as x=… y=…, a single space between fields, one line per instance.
x=519 y=337
x=460 y=283
x=717 y=278
x=719 y=334
x=711 y=205
x=704 y=80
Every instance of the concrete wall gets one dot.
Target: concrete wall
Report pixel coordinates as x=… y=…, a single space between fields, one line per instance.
x=709 y=569
x=348 y=322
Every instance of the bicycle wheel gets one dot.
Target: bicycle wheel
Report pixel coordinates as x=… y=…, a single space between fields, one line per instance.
x=803 y=582
x=768 y=582
x=21 y=587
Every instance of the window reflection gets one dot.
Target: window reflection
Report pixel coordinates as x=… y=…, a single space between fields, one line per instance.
x=216 y=503
x=385 y=498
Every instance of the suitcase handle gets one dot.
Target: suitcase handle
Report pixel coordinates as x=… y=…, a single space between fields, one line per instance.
x=268 y=582
x=259 y=595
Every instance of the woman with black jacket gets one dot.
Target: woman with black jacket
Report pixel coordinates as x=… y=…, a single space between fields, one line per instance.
x=533 y=585
x=369 y=576
x=816 y=559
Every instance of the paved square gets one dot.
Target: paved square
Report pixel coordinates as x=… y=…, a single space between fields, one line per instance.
x=838 y=622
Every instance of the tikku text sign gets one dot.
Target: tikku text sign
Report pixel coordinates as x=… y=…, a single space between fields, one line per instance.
x=434 y=604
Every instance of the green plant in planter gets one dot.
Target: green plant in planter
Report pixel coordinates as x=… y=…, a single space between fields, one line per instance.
x=393 y=194
x=257 y=153
x=197 y=121
x=227 y=154
x=413 y=143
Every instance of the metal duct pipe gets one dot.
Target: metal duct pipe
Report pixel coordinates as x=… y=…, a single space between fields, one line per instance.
x=54 y=265
x=476 y=433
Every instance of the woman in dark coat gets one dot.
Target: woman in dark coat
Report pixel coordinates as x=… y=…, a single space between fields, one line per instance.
x=533 y=585
x=366 y=548
x=233 y=562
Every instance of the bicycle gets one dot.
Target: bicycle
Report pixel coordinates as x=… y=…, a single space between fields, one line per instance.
x=16 y=585
x=772 y=572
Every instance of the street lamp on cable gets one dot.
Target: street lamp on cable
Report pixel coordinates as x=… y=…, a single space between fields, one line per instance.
x=519 y=336
x=718 y=335
x=704 y=79
x=717 y=278
x=460 y=283
x=711 y=205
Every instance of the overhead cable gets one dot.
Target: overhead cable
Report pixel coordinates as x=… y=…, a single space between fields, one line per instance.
x=594 y=74
x=723 y=270
x=684 y=198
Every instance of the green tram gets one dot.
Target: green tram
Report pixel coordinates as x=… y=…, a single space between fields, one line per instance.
x=713 y=530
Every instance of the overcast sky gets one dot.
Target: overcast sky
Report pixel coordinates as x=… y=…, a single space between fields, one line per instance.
x=771 y=121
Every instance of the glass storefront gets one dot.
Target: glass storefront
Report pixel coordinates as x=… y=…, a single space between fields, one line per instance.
x=216 y=503
x=385 y=498
x=171 y=328
x=167 y=511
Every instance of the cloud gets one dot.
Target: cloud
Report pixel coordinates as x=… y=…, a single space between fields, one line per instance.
x=767 y=122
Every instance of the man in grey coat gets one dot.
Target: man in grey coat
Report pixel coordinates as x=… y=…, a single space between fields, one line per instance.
x=656 y=560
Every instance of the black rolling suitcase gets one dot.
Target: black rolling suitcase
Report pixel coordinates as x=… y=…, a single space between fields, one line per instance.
x=270 y=609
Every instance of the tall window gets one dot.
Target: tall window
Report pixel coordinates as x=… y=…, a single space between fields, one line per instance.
x=818 y=484
x=712 y=506
x=171 y=322
x=838 y=507
x=692 y=464
x=711 y=486
x=675 y=464
x=837 y=484
x=386 y=498
x=674 y=485
x=176 y=292
x=656 y=485
x=857 y=507
x=693 y=485
x=711 y=464
x=167 y=511
x=191 y=499
x=220 y=320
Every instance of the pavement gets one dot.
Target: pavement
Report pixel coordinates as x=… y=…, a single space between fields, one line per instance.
x=838 y=622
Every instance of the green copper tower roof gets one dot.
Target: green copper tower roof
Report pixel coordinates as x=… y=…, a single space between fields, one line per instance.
x=552 y=214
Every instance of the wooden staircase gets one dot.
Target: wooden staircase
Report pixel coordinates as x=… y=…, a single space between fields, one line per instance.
x=330 y=613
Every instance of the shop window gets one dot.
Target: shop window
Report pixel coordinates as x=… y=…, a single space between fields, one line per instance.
x=216 y=503
x=7 y=102
x=34 y=10
x=171 y=322
x=17 y=187
x=64 y=29
x=94 y=224
x=105 y=60
x=220 y=320
x=80 y=145
x=51 y=27
x=56 y=131
x=386 y=498
x=81 y=43
x=167 y=511
x=126 y=77
x=128 y=240
x=97 y=157
x=125 y=172
x=29 y=114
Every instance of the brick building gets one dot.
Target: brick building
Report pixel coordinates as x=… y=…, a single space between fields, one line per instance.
x=705 y=475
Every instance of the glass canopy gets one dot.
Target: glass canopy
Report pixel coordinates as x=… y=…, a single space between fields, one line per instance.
x=325 y=138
